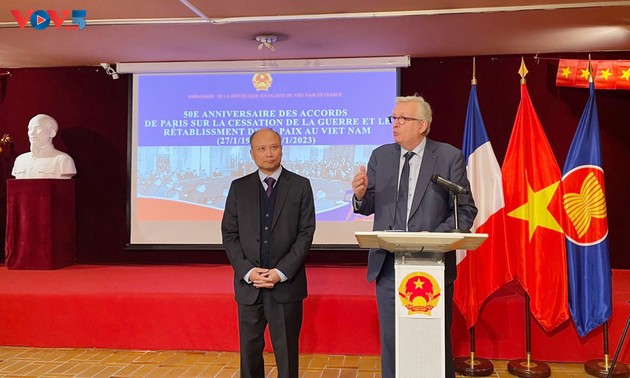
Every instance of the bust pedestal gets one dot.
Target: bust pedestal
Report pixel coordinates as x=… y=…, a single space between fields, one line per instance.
x=41 y=224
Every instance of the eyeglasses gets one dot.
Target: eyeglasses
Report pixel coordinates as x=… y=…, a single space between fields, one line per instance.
x=401 y=120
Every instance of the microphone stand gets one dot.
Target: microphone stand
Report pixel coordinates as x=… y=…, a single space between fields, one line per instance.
x=456 y=205
x=470 y=366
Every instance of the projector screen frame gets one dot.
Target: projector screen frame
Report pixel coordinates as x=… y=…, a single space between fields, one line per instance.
x=264 y=65
x=240 y=67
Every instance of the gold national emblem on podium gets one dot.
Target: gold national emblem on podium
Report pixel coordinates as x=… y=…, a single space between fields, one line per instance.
x=262 y=81
x=419 y=292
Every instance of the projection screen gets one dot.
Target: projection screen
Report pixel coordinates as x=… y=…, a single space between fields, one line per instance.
x=190 y=139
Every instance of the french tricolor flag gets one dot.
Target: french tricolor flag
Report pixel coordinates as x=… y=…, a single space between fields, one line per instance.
x=483 y=271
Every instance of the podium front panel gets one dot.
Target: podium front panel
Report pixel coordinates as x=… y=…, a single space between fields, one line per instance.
x=420 y=346
x=41 y=224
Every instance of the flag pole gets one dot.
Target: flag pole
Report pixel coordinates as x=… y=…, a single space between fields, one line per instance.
x=602 y=367
x=622 y=368
x=528 y=367
x=473 y=366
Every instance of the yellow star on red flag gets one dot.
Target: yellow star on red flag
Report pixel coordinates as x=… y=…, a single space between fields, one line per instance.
x=535 y=209
x=566 y=72
x=534 y=216
x=606 y=73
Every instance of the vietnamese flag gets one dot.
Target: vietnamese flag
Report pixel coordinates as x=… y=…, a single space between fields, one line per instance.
x=534 y=217
x=622 y=74
x=605 y=75
x=584 y=73
x=567 y=71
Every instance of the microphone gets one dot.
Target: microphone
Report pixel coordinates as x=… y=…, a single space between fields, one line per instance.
x=437 y=179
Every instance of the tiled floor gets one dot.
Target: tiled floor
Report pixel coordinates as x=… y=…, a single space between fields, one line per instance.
x=41 y=362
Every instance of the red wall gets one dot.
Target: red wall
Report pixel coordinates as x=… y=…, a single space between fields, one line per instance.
x=91 y=109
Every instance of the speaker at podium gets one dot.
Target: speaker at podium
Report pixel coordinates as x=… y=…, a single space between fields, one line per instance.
x=419 y=281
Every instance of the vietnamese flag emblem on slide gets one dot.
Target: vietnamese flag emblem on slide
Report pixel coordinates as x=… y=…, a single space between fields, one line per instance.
x=262 y=81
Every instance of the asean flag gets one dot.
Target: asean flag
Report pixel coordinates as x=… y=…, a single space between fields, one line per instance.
x=483 y=271
x=590 y=276
x=534 y=217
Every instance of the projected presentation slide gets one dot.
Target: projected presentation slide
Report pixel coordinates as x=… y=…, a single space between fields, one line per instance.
x=191 y=139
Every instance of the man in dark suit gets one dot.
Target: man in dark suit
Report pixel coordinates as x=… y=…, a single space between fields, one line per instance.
x=424 y=206
x=268 y=228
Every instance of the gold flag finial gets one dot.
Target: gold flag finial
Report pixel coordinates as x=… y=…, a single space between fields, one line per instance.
x=522 y=71
x=474 y=77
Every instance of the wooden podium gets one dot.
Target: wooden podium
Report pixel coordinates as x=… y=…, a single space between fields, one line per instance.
x=419 y=267
x=41 y=224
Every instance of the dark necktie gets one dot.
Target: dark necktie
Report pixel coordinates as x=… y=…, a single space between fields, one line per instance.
x=269 y=181
x=400 y=223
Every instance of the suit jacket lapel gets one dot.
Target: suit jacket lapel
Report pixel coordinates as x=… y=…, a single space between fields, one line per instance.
x=426 y=169
x=253 y=191
x=283 y=191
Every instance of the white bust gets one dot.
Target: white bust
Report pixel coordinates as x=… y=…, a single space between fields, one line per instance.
x=44 y=161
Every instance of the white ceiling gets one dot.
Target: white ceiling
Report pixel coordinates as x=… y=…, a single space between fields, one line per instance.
x=169 y=30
